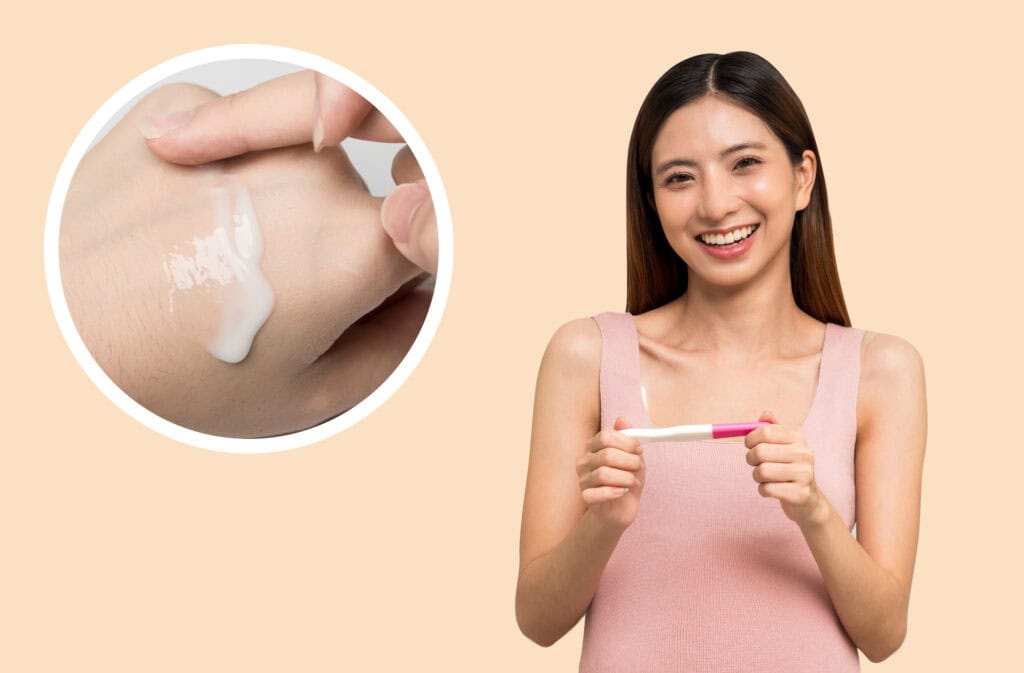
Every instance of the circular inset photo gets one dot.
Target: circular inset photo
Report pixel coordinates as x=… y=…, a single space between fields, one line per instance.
x=248 y=248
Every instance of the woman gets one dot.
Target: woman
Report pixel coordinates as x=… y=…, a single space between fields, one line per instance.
x=715 y=556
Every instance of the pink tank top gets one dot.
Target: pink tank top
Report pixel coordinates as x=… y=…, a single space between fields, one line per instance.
x=712 y=577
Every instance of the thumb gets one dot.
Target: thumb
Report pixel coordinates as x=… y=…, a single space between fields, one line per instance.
x=408 y=216
x=621 y=424
x=768 y=417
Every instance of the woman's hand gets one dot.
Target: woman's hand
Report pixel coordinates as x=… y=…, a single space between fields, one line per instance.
x=298 y=109
x=611 y=475
x=344 y=313
x=784 y=469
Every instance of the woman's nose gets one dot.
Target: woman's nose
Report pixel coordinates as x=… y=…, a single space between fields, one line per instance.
x=718 y=198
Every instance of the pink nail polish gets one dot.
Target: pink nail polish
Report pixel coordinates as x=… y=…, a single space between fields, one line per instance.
x=156 y=126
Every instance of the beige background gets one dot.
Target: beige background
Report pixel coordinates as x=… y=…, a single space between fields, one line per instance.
x=393 y=546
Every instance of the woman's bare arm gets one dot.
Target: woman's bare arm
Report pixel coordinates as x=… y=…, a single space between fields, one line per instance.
x=869 y=578
x=564 y=545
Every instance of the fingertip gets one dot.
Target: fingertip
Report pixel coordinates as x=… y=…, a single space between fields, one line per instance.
x=156 y=126
x=424 y=237
x=398 y=209
x=339 y=109
x=318 y=134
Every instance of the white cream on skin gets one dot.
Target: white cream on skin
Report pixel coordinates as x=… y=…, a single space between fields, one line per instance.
x=223 y=266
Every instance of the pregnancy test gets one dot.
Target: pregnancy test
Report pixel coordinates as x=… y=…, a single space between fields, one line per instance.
x=689 y=433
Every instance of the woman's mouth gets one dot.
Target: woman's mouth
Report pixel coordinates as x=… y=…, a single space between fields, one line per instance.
x=729 y=244
x=732 y=237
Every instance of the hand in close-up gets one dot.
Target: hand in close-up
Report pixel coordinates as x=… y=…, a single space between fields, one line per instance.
x=346 y=307
x=784 y=469
x=611 y=475
x=302 y=108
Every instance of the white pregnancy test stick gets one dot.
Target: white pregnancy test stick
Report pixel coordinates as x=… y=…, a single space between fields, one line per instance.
x=689 y=433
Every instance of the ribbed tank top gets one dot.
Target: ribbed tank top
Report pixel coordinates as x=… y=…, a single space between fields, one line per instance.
x=711 y=577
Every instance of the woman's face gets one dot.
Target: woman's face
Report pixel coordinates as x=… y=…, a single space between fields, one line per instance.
x=727 y=192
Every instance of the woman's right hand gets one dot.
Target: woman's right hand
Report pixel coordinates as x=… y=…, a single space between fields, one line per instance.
x=611 y=475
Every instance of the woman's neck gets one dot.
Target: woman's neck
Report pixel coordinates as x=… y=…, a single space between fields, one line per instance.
x=760 y=318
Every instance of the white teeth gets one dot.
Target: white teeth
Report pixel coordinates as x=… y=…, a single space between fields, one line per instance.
x=727 y=239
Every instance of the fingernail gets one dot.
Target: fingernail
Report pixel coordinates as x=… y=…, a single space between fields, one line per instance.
x=157 y=125
x=399 y=207
x=318 y=134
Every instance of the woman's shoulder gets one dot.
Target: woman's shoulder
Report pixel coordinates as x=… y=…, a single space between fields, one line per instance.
x=891 y=368
x=571 y=366
x=885 y=356
x=576 y=345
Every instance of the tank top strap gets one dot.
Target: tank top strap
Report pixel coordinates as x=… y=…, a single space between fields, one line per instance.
x=839 y=383
x=620 y=369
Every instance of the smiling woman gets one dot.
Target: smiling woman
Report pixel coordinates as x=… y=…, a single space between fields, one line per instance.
x=716 y=555
x=747 y=111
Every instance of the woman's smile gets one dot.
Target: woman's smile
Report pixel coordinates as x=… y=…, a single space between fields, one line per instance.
x=728 y=243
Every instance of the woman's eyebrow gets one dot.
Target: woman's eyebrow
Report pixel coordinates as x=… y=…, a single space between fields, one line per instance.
x=739 y=147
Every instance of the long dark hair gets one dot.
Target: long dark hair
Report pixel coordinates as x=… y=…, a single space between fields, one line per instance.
x=655 y=273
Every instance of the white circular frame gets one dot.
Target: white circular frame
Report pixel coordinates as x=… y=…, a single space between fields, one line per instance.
x=51 y=255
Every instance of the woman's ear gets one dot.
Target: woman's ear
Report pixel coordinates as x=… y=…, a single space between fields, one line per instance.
x=805 y=172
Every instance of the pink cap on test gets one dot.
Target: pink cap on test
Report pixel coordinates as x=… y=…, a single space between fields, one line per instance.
x=734 y=429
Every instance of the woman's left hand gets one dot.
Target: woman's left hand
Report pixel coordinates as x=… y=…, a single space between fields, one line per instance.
x=784 y=469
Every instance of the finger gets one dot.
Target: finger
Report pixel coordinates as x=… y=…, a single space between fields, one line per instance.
x=780 y=490
x=779 y=472
x=768 y=417
x=405 y=168
x=408 y=217
x=609 y=476
x=595 y=496
x=773 y=434
x=342 y=113
x=790 y=492
x=612 y=439
x=616 y=458
x=765 y=452
x=621 y=423
x=277 y=113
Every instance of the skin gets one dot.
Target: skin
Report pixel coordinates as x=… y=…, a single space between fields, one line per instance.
x=739 y=331
x=298 y=109
x=346 y=308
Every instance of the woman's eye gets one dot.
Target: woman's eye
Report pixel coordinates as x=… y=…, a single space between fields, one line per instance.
x=747 y=161
x=676 y=178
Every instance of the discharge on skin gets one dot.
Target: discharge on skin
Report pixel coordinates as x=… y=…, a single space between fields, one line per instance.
x=216 y=285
